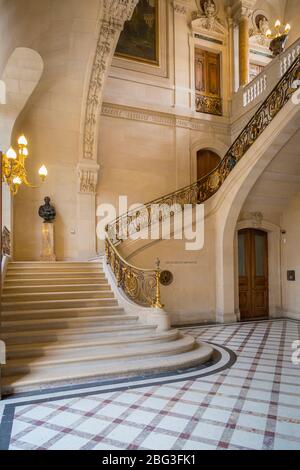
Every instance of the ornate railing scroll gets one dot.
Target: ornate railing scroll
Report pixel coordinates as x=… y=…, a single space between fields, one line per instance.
x=139 y=284
x=6 y=242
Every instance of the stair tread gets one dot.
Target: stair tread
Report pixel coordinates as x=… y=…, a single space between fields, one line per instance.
x=28 y=294
x=63 y=310
x=54 y=301
x=72 y=319
x=153 y=336
x=73 y=331
x=43 y=286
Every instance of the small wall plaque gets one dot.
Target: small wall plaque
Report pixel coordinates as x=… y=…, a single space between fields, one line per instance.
x=291 y=275
x=166 y=278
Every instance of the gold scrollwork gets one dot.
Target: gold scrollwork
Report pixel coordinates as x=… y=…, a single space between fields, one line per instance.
x=142 y=285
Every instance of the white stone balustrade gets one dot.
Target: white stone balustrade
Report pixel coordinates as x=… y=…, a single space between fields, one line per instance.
x=248 y=97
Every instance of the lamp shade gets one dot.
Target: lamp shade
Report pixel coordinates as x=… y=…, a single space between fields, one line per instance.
x=11 y=154
x=22 y=140
x=43 y=172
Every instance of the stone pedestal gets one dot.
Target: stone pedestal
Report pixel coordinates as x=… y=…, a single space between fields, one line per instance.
x=48 y=253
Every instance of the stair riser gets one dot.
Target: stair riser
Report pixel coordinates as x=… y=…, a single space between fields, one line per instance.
x=84 y=335
x=56 y=275
x=25 y=369
x=54 y=281
x=37 y=351
x=53 y=265
x=61 y=288
x=52 y=315
x=63 y=325
x=41 y=297
x=19 y=306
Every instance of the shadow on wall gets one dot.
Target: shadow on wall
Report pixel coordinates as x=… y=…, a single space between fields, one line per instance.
x=21 y=76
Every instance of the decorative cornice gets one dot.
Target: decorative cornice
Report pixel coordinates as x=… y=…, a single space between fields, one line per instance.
x=242 y=9
x=114 y=15
x=179 y=7
x=163 y=119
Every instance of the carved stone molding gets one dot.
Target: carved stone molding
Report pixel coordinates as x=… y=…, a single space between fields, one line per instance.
x=87 y=177
x=179 y=7
x=242 y=9
x=163 y=119
x=114 y=15
x=205 y=20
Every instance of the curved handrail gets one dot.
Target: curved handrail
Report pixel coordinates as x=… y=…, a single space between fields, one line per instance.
x=141 y=285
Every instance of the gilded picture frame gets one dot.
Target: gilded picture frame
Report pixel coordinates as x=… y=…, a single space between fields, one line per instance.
x=139 y=41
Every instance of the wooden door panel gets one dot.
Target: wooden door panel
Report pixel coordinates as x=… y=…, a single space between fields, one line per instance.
x=213 y=74
x=200 y=75
x=206 y=162
x=253 y=274
x=208 y=82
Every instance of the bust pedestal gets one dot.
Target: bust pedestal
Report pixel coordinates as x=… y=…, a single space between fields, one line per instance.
x=48 y=253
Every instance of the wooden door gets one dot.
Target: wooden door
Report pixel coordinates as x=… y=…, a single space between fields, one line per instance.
x=207 y=161
x=253 y=274
x=207 y=82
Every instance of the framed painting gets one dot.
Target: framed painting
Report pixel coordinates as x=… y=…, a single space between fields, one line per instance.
x=139 y=39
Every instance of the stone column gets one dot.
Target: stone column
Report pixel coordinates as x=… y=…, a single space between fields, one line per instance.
x=241 y=11
x=244 y=48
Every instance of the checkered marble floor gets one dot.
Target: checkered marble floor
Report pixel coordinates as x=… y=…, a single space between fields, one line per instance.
x=255 y=404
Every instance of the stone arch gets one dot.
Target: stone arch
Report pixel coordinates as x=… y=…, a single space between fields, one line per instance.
x=2 y=92
x=20 y=77
x=229 y=200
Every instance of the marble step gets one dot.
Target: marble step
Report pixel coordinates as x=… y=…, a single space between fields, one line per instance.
x=43 y=377
x=77 y=333
x=95 y=280
x=36 y=350
x=98 y=354
x=54 y=264
x=64 y=295
x=37 y=274
x=102 y=301
x=36 y=288
x=65 y=323
x=45 y=271
x=61 y=313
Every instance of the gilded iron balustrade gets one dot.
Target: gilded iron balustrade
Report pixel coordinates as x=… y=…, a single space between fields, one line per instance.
x=139 y=284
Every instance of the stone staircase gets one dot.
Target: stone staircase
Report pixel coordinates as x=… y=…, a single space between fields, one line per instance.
x=62 y=324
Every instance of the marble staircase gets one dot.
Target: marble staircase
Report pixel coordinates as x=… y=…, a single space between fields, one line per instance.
x=62 y=324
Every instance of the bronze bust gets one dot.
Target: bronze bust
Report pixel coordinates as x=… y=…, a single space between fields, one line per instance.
x=47 y=212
